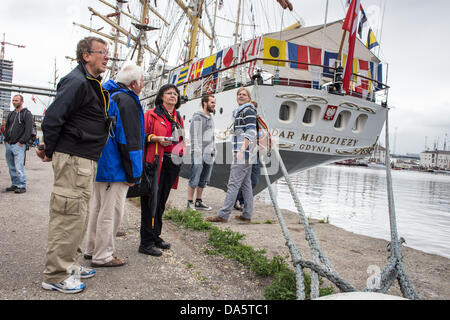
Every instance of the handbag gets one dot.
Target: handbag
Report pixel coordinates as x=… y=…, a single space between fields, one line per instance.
x=148 y=177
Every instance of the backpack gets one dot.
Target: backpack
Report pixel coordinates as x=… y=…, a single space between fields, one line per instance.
x=33 y=136
x=263 y=135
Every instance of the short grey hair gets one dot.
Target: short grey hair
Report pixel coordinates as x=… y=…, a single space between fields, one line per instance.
x=85 y=45
x=129 y=72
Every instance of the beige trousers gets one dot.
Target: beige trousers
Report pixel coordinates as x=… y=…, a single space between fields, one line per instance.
x=106 y=210
x=69 y=210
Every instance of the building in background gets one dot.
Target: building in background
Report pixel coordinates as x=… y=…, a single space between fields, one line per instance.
x=6 y=75
x=435 y=159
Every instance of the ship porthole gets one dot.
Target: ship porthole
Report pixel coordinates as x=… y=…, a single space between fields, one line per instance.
x=311 y=115
x=342 y=120
x=287 y=111
x=221 y=110
x=359 y=124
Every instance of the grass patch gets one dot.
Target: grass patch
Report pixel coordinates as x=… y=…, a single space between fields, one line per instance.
x=227 y=243
x=325 y=220
x=188 y=218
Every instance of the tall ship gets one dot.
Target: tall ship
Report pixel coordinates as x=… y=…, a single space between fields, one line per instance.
x=319 y=88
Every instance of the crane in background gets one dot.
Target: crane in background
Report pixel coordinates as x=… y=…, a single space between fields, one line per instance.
x=4 y=43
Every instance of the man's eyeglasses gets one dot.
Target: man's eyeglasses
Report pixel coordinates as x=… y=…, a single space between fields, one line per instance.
x=103 y=52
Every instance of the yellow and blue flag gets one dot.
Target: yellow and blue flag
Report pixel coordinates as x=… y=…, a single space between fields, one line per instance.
x=371 y=40
x=208 y=65
x=183 y=74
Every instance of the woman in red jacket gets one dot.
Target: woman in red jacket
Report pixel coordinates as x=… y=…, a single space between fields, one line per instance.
x=164 y=129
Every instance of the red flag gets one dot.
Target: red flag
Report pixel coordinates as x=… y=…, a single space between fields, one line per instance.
x=350 y=24
x=33 y=98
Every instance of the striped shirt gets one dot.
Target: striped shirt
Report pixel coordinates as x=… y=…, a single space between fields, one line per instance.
x=244 y=128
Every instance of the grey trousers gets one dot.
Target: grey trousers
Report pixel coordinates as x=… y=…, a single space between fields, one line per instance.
x=240 y=177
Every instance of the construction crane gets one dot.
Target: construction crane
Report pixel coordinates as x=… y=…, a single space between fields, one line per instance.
x=4 y=43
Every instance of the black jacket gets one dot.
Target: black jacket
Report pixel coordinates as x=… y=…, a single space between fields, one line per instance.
x=18 y=126
x=76 y=123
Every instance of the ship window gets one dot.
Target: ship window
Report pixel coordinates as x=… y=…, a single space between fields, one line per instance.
x=311 y=115
x=342 y=120
x=359 y=124
x=284 y=112
x=287 y=111
x=221 y=110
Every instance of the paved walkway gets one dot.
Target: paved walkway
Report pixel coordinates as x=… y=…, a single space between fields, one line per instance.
x=184 y=272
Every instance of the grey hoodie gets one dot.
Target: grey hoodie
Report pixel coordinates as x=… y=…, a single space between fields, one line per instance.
x=202 y=135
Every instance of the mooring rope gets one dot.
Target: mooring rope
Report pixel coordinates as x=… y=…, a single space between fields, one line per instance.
x=394 y=268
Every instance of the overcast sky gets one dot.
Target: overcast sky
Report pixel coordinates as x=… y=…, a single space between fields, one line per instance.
x=414 y=43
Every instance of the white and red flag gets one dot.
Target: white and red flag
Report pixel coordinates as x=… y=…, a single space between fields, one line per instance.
x=351 y=25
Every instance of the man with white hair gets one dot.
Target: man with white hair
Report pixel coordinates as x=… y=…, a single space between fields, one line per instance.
x=119 y=167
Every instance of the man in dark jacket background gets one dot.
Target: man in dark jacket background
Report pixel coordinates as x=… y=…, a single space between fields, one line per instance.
x=17 y=133
x=75 y=131
x=119 y=167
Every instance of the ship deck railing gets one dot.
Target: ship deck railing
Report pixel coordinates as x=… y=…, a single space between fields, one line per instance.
x=237 y=75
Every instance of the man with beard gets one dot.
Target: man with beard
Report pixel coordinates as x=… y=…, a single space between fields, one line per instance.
x=17 y=133
x=202 y=152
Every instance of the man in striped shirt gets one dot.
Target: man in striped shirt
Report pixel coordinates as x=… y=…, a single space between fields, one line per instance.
x=244 y=139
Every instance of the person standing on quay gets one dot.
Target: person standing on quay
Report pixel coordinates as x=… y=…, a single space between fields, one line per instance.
x=119 y=167
x=244 y=137
x=202 y=152
x=75 y=131
x=164 y=133
x=17 y=133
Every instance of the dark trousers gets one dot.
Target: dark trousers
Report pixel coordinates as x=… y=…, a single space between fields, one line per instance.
x=150 y=235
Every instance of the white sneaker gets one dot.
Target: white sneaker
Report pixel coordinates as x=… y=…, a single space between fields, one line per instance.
x=191 y=205
x=70 y=285
x=86 y=273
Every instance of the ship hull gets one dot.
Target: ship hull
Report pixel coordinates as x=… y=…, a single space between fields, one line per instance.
x=304 y=141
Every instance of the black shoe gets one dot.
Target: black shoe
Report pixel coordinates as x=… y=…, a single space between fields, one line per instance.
x=20 y=190
x=150 y=251
x=162 y=245
x=12 y=188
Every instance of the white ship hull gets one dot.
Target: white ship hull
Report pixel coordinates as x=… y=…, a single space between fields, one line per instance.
x=303 y=141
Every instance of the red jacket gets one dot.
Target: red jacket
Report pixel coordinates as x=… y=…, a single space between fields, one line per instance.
x=155 y=125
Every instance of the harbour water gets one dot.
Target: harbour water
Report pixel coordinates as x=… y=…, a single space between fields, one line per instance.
x=355 y=199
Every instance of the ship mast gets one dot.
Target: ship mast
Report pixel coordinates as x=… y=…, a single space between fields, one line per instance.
x=194 y=30
x=236 y=30
x=144 y=21
x=213 y=28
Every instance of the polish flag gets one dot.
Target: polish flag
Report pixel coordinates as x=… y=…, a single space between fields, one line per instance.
x=351 y=25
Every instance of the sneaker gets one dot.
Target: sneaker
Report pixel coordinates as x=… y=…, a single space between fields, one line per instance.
x=190 y=205
x=12 y=188
x=86 y=273
x=20 y=190
x=201 y=206
x=70 y=285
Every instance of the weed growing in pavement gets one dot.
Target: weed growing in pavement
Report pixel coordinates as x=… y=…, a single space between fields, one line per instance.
x=227 y=243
